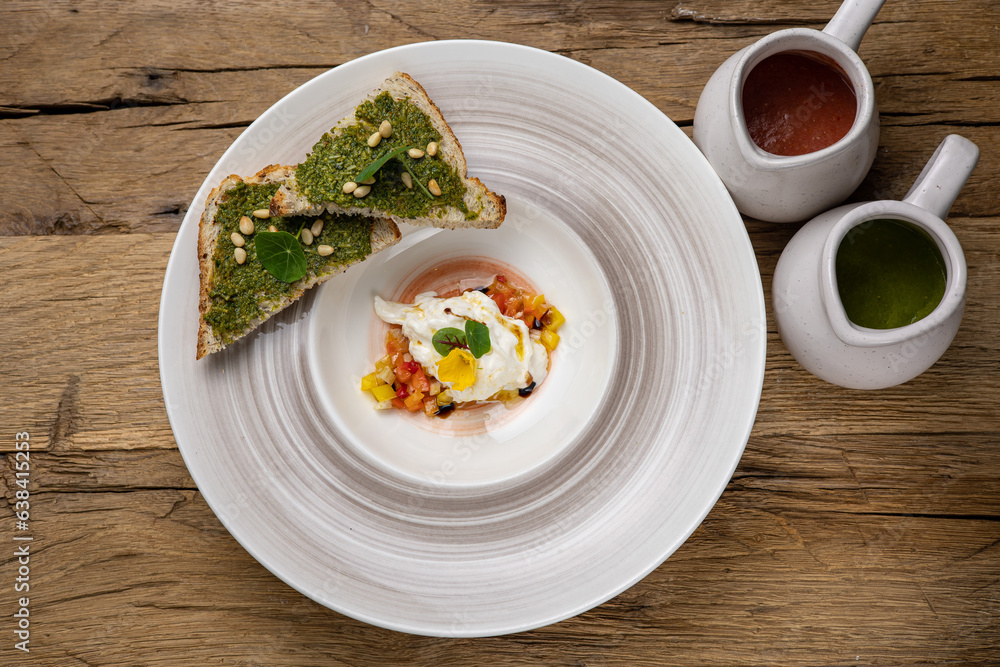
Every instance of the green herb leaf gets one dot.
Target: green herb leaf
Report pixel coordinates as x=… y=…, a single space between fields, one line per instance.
x=478 y=336
x=370 y=170
x=417 y=180
x=281 y=255
x=447 y=339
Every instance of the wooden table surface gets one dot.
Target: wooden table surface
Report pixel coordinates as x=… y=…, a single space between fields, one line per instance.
x=859 y=528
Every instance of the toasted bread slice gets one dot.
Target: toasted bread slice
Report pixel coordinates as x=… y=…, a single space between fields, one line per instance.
x=342 y=153
x=235 y=298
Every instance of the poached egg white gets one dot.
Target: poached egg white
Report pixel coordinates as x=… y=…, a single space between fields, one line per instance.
x=513 y=362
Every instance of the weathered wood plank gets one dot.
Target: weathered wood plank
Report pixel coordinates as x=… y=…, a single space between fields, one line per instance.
x=151 y=576
x=92 y=471
x=79 y=329
x=903 y=152
x=107 y=39
x=39 y=200
x=172 y=147
x=941 y=475
x=104 y=38
x=163 y=168
x=178 y=109
x=63 y=193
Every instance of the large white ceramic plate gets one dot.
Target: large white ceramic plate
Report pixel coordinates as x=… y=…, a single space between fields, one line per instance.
x=539 y=514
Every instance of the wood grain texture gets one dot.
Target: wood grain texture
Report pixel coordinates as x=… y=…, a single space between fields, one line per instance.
x=859 y=528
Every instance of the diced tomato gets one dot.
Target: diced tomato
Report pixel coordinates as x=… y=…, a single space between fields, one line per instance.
x=414 y=402
x=500 y=292
x=515 y=302
x=396 y=342
x=534 y=305
x=398 y=403
x=404 y=369
x=515 y=307
x=403 y=390
x=419 y=380
x=500 y=300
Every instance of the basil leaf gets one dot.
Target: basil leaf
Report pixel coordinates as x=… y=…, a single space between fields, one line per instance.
x=370 y=170
x=478 y=336
x=281 y=255
x=447 y=339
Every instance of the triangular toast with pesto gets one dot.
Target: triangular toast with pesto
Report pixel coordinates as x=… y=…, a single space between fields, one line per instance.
x=254 y=265
x=394 y=157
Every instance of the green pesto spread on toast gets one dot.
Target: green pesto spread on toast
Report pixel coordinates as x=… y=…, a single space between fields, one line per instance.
x=340 y=156
x=239 y=290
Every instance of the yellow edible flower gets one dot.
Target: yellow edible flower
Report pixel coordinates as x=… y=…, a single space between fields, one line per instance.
x=459 y=368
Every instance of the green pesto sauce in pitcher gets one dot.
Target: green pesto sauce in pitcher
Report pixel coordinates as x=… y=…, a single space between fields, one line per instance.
x=890 y=273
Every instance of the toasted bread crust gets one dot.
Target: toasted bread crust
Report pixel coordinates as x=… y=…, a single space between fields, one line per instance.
x=288 y=200
x=384 y=234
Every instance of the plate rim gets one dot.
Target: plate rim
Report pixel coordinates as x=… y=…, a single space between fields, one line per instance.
x=416 y=628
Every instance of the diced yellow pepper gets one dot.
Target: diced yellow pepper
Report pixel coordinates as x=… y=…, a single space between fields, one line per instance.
x=384 y=362
x=535 y=305
x=507 y=396
x=383 y=392
x=550 y=339
x=553 y=319
x=386 y=375
x=369 y=382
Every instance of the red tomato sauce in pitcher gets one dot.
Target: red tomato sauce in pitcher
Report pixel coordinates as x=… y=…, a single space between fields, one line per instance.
x=798 y=102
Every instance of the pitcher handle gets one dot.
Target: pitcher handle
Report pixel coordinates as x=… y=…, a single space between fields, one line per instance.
x=852 y=21
x=944 y=175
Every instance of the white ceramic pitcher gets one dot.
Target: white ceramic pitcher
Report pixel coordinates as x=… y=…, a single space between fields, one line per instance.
x=782 y=188
x=811 y=318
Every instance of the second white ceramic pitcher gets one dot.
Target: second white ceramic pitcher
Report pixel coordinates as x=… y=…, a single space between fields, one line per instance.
x=806 y=296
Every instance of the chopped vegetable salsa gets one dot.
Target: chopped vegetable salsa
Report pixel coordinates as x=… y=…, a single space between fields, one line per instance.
x=459 y=359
